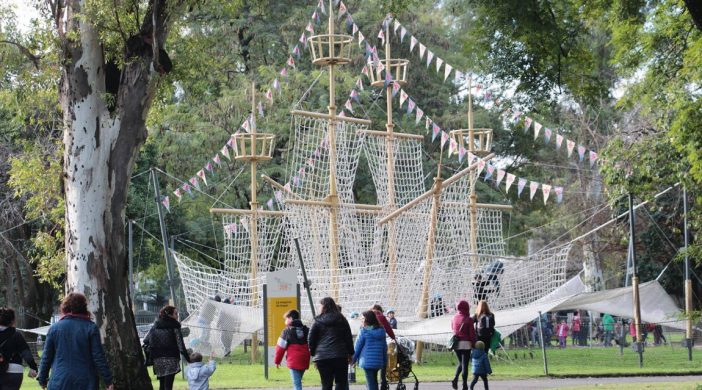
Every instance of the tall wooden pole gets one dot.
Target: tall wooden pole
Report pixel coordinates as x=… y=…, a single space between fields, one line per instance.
x=253 y=220
x=164 y=238
x=474 y=176
x=688 y=284
x=390 y=151
x=333 y=195
x=635 y=282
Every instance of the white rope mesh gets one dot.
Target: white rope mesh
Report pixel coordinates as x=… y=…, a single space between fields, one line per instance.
x=408 y=174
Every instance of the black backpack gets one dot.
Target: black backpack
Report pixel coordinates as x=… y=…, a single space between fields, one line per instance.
x=486 y=325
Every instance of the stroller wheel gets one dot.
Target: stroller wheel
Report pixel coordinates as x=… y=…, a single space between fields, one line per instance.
x=401 y=386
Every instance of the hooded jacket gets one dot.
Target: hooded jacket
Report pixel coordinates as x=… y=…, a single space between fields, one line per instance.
x=480 y=362
x=166 y=340
x=462 y=317
x=198 y=375
x=330 y=337
x=371 y=349
x=293 y=340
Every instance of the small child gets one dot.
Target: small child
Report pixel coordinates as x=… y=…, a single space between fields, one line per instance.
x=562 y=332
x=480 y=364
x=293 y=340
x=391 y=319
x=198 y=374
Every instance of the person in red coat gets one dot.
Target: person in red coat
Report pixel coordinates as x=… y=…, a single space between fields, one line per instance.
x=463 y=328
x=293 y=340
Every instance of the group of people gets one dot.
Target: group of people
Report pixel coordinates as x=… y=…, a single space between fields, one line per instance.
x=329 y=344
x=474 y=334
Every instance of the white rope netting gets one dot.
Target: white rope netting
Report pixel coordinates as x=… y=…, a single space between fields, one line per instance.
x=408 y=174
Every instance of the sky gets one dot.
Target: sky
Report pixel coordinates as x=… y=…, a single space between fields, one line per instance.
x=25 y=12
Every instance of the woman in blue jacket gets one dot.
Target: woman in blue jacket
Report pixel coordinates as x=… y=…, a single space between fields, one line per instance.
x=371 y=349
x=73 y=351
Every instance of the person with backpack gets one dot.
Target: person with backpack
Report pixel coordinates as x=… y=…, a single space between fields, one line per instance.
x=331 y=345
x=293 y=341
x=13 y=349
x=484 y=323
x=371 y=349
x=73 y=351
x=463 y=328
x=165 y=345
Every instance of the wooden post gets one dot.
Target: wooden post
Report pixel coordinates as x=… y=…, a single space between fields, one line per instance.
x=473 y=195
x=635 y=282
x=390 y=152
x=333 y=195
x=253 y=223
x=688 y=284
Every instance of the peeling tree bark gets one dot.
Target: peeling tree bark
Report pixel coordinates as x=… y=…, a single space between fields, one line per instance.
x=100 y=148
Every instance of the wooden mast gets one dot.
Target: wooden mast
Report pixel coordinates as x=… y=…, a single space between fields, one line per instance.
x=253 y=219
x=474 y=177
x=333 y=195
x=390 y=152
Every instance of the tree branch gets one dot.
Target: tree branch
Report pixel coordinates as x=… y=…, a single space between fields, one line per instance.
x=33 y=58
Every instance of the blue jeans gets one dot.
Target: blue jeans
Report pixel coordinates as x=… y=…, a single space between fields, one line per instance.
x=296 y=376
x=371 y=378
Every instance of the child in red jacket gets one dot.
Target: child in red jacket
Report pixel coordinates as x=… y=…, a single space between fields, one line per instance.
x=293 y=339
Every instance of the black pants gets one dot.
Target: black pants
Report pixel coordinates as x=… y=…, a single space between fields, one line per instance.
x=475 y=380
x=333 y=370
x=10 y=381
x=166 y=382
x=463 y=356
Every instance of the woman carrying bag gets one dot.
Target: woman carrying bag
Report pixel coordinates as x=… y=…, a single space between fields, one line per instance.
x=165 y=345
x=464 y=331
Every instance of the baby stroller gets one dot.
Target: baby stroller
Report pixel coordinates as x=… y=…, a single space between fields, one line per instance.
x=400 y=362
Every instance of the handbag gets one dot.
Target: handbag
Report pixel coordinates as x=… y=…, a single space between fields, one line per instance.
x=146 y=347
x=452 y=344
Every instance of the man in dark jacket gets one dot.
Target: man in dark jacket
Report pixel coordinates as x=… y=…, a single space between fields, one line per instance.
x=331 y=345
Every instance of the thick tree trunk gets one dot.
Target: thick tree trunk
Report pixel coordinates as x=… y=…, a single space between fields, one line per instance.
x=100 y=150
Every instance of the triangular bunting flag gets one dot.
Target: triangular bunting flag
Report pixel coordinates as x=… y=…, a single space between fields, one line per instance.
x=413 y=42
x=537 y=128
x=194 y=182
x=533 y=186
x=447 y=71
x=354 y=96
x=309 y=28
x=581 y=152
x=490 y=170
x=520 y=186
x=396 y=25
x=546 y=189
x=270 y=204
x=559 y=141
x=547 y=135
x=509 y=181
x=291 y=62
x=422 y=49
x=247 y=124
x=570 y=145
x=439 y=62
x=500 y=176
x=527 y=124
x=395 y=87
x=359 y=82
x=217 y=160
x=461 y=153
x=166 y=203
x=403 y=32
x=225 y=152
x=178 y=194
x=354 y=29
x=435 y=131
x=410 y=106
x=453 y=147
x=559 y=194
x=342 y=9
x=420 y=114
x=321 y=7
x=201 y=175
x=209 y=167
x=481 y=166
x=186 y=188
x=381 y=36
x=361 y=38
x=348 y=105
x=403 y=97
x=593 y=158
x=428 y=123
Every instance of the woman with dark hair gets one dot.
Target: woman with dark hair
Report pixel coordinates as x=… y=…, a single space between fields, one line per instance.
x=371 y=349
x=331 y=345
x=462 y=326
x=13 y=348
x=165 y=344
x=74 y=350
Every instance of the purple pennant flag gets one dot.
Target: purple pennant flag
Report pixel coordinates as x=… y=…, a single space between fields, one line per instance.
x=395 y=87
x=547 y=135
x=509 y=181
x=186 y=188
x=520 y=186
x=559 y=194
x=194 y=182
x=388 y=80
x=435 y=130
x=559 y=141
x=209 y=167
x=296 y=51
x=581 y=152
x=461 y=153
x=284 y=72
x=410 y=106
x=490 y=170
x=593 y=158
x=533 y=186
x=420 y=114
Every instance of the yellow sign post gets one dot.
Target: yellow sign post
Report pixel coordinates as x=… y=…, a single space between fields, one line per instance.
x=280 y=294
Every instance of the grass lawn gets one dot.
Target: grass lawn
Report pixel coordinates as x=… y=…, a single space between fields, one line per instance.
x=639 y=386
x=522 y=363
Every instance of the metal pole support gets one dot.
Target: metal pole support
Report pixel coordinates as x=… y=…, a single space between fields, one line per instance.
x=543 y=344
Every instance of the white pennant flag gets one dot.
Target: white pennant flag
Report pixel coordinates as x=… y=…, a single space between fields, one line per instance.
x=509 y=181
x=403 y=97
x=537 y=127
x=413 y=43
x=447 y=71
x=422 y=49
x=439 y=62
x=396 y=26
x=500 y=176
x=533 y=186
x=570 y=144
x=546 y=189
x=403 y=32
x=430 y=56
x=559 y=141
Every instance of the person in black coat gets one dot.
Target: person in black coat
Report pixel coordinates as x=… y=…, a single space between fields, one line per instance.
x=165 y=344
x=331 y=345
x=15 y=349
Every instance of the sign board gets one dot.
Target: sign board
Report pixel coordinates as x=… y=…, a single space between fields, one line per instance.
x=281 y=293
